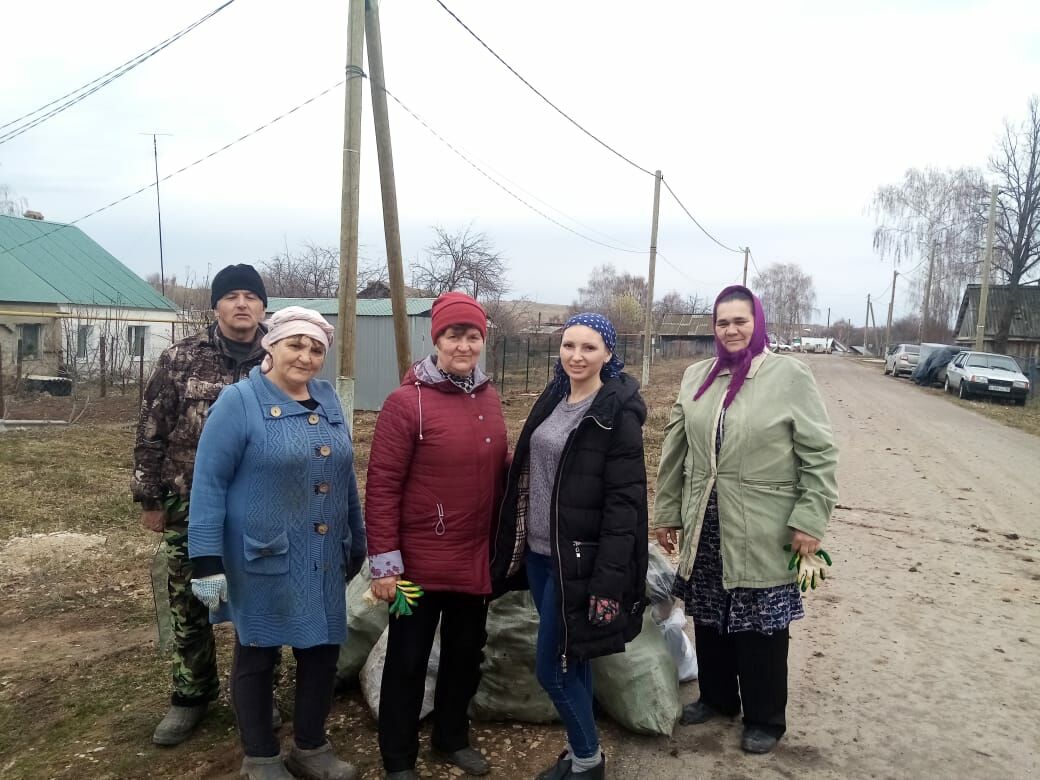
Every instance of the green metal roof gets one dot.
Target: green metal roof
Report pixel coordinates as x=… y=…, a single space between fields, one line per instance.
x=48 y=262
x=366 y=307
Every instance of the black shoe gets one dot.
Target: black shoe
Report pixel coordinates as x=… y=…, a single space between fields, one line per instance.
x=756 y=740
x=559 y=770
x=598 y=772
x=698 y=712
x=403 y=774
x=470 y=761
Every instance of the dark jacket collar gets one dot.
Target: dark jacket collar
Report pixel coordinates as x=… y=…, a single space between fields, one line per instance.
x=617 y=393
x=219 y=340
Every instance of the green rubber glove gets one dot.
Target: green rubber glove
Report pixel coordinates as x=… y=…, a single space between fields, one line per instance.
x=408 y=594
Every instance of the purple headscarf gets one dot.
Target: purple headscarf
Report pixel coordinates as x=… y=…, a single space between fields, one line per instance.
x=739 y=363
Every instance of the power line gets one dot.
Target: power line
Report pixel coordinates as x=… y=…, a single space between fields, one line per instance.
x=351 y=75
x=101 y=81
x=695 y=222
x=754 y=263
x=530 y=86
x=499 y=184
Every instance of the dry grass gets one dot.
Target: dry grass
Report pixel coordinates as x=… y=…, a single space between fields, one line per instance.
x=72 y=709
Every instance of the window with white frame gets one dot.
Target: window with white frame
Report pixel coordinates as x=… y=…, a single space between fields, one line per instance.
x=83 y=341
x=29 y=338
x=135 y=336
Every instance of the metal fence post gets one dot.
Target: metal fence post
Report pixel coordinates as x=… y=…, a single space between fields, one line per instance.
x=502 y=380
x=527 y=368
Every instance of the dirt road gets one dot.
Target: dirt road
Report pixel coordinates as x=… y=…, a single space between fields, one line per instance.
x=920 y=656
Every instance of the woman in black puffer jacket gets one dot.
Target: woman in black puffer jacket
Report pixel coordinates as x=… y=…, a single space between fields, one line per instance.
x=574 y=521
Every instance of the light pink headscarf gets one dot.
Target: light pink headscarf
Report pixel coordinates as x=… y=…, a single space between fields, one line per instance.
x=294 y=321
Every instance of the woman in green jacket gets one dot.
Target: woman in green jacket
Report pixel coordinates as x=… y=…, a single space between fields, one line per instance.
x=749 y=451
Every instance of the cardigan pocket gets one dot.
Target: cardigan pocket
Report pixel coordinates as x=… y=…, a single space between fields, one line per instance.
x=271 y=557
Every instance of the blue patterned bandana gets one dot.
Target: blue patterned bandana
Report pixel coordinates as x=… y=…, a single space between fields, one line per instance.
x=600 y=324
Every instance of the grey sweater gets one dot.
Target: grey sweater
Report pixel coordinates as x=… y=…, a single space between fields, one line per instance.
x=546 y=447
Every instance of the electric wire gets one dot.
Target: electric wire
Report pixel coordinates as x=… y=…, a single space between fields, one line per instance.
x=695 y=222
x=530 y=86
x=754 y=263
x=495 y=181
x=101 y=81
x=351 y=74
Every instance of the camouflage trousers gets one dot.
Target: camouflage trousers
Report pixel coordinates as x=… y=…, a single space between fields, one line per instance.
x=195 y=678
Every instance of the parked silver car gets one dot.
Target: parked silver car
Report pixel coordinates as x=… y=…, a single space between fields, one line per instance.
x=901 y=359
x=983 y=373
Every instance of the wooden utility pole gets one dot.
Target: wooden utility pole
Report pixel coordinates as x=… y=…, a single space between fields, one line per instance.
x=648 y=324
x=980 y=327
x=891 y=305
x=388 y=188
x=873 y=320
x=866 y=324
x=349 y=205
x=926 y=310
x=747 y=251
x=828 y=318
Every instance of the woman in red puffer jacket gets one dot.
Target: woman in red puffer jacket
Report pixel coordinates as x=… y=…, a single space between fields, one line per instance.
x=435 y=478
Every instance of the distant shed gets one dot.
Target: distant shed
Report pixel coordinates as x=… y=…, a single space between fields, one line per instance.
x=376 y=361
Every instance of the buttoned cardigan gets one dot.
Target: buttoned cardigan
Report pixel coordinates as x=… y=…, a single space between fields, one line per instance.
x=275 y=495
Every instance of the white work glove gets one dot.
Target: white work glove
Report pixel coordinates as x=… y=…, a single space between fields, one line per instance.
x=812 y=570
x=210 y=590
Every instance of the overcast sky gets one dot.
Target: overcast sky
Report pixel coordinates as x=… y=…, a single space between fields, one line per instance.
x=775 y=122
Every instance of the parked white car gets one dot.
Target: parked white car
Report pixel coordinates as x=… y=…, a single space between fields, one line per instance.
x=902 y=359
x=983 y=373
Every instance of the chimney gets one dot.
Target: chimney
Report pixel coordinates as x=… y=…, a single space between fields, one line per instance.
x=30 y=214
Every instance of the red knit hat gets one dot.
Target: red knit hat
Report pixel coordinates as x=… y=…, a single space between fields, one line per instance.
x=455 y=308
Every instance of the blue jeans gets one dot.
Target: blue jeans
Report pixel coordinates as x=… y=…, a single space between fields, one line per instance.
x=571 y=690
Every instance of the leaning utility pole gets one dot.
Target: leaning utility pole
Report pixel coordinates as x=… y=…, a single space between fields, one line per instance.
x=388 y=188
x=747 y=251
x=648 y=325
x=891 y=305
x=987 y=261
x=349 y=206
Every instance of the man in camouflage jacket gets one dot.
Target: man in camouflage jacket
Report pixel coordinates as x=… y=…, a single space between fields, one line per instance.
x=186 y=381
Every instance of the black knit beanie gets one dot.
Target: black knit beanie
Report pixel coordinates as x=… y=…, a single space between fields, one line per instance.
x=236 y=277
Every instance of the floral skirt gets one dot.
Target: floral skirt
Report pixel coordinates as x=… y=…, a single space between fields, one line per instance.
x=765 y=610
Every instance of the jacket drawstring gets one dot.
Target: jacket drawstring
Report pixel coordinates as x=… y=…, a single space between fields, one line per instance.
x=418 y=389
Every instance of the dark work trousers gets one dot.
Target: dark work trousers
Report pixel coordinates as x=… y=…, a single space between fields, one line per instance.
x=252 y=669
x=758 y=662
x=462 y=618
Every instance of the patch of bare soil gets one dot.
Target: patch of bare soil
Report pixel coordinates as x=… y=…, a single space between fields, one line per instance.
x=24 y=553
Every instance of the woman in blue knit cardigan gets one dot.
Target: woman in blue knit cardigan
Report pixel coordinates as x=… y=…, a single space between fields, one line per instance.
x=275 y=530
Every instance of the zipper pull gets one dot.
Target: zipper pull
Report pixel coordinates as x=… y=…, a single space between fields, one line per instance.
x=439 y=528
x=577 y=549
x=563 y=663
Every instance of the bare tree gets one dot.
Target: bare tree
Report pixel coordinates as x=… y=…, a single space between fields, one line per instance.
x=1016 y=165
x=933 y=215
x=788 y=297
x=10 y=204
x=671 y=303
x=618 y=297
x=464 y=260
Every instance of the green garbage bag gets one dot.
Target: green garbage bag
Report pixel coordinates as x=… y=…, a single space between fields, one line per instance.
x=509 y=688
x=639 y=688
x=365 y=624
